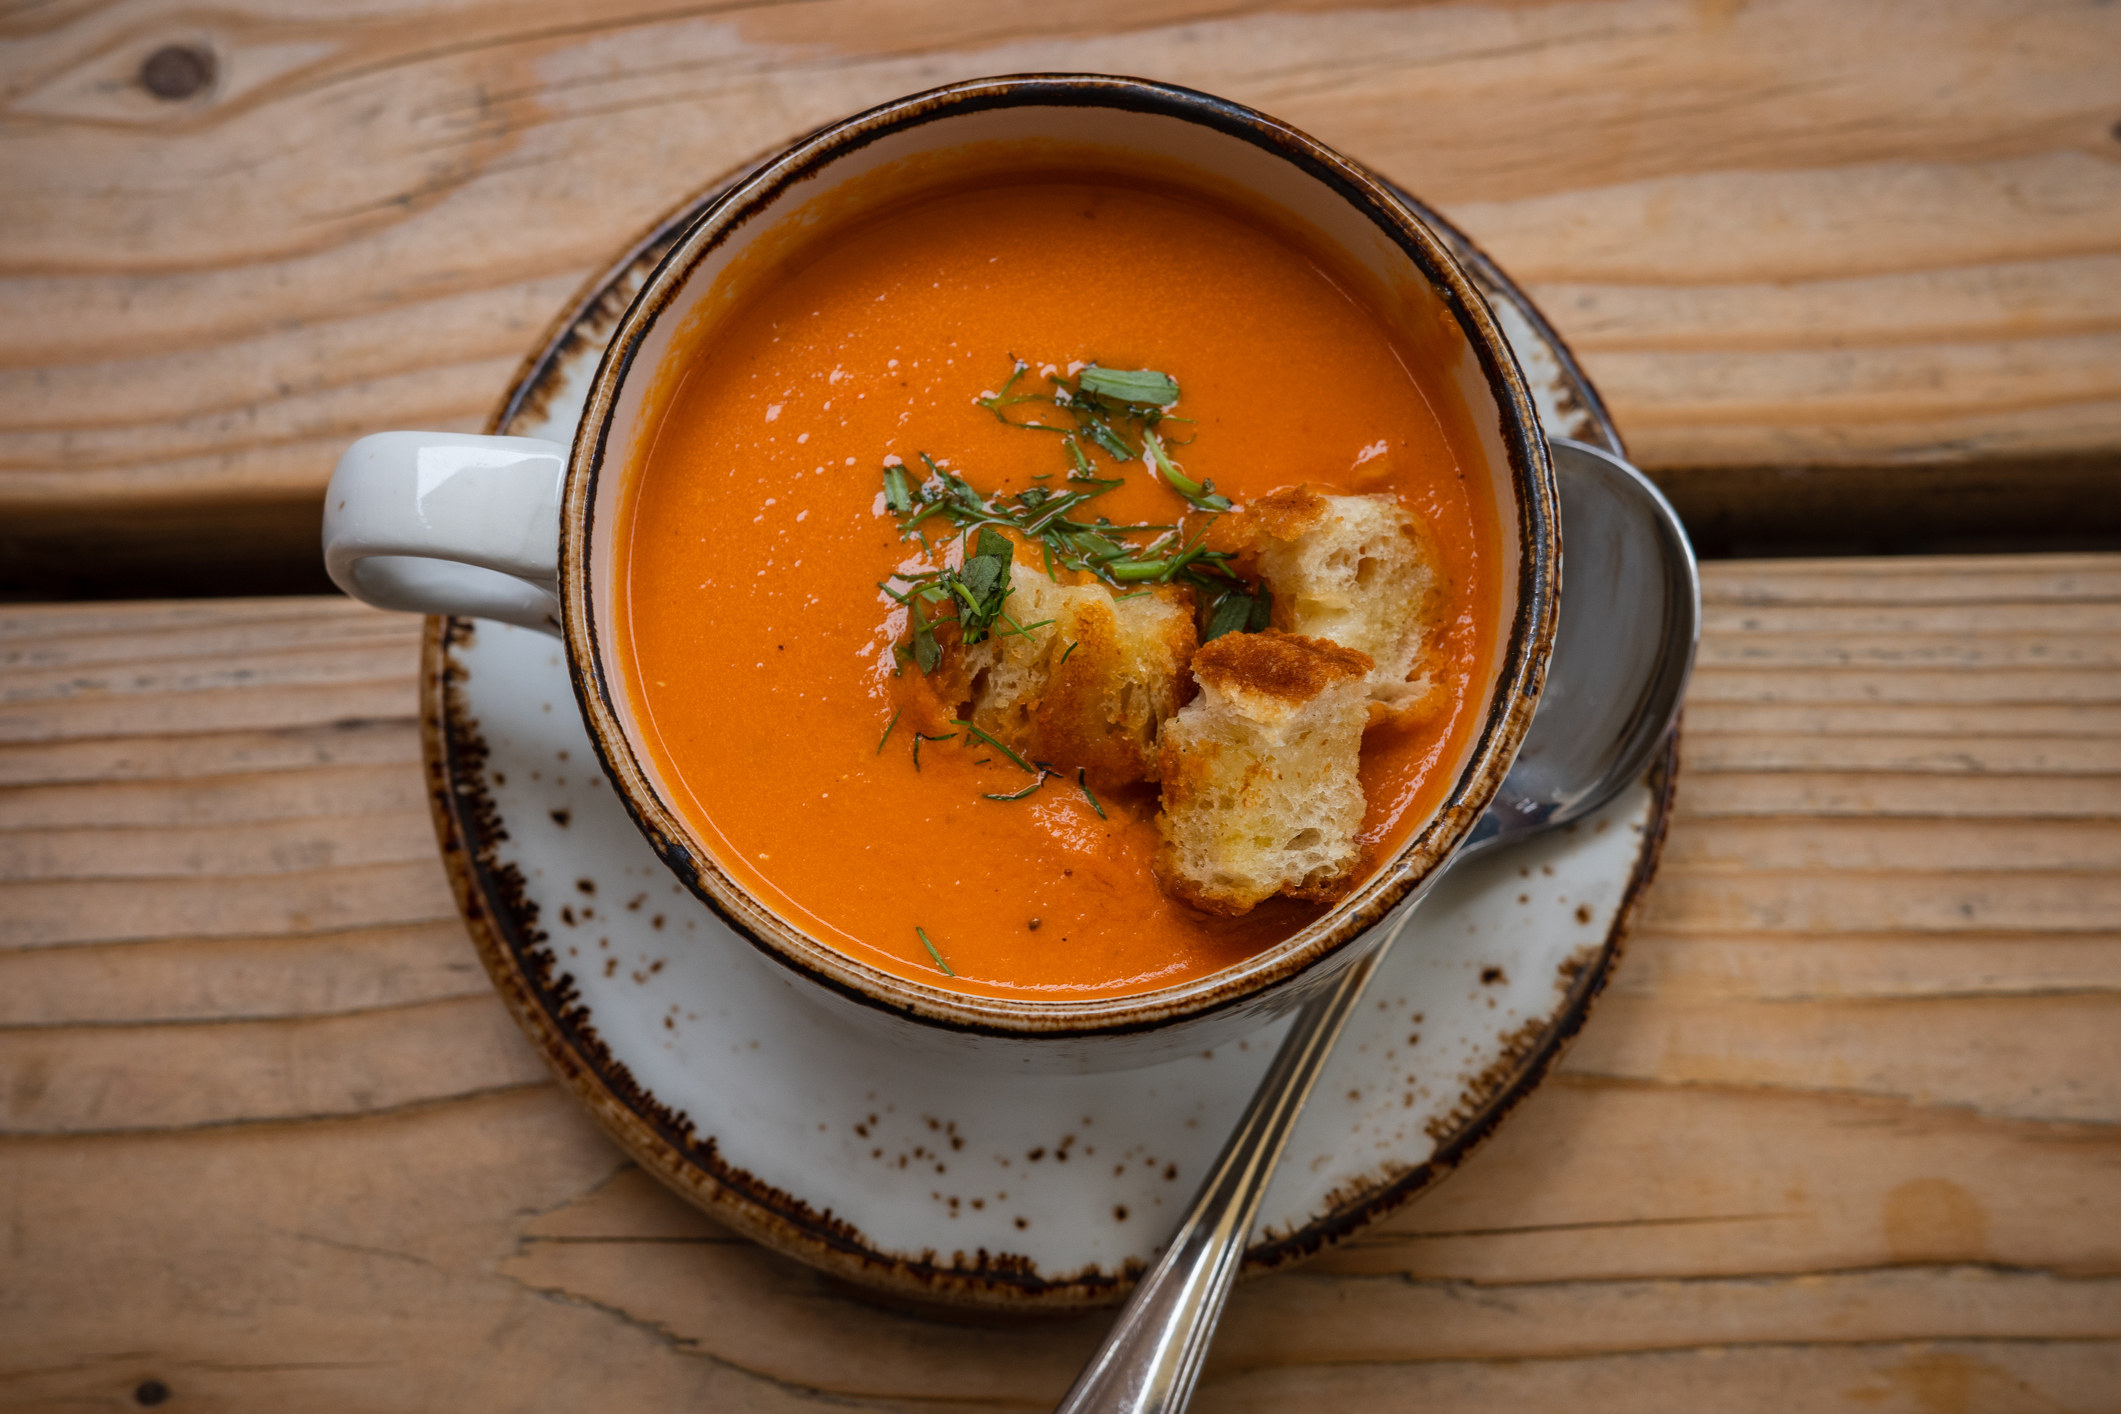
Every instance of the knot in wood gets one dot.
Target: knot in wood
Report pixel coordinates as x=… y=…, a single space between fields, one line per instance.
x=177 y=71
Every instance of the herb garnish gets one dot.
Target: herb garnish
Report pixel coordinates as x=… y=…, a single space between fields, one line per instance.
x=919 y=737
x=1240 y=613
x=1142 y=386
x=887 y=730
x=932 y=952
x=1199 y=494
x=1042 y=514
x=1023 y=630
x=998 y=746
x=1104 y=404
x=978 y=589
x=926 y=651
x=1025 y=794
x=1118 y=411
x=1082 y=778
x=898 y=497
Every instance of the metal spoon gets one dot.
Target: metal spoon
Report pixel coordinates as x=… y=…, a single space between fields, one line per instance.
x=1630 y=615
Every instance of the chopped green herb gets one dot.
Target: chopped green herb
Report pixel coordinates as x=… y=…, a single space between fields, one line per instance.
x=1017 y=369
x=982 y=585
x=1095 y=401
x=1101 y=433
x=926 y=651
x=979 y=590
x=919 y=737
x=1070 y=649
x=1262 y=609
x=1024 y=765
x=1239 y=612
x=1024 y=630
x=887 y=730
x=933 y=953
x=1199 y=495
x=1231 y=613
x=898 y=496
x=1026 y=793
x=1095 y=547
x=1083 y=470
x=1082 y=779
x=1145 y=386
x=1109 y=408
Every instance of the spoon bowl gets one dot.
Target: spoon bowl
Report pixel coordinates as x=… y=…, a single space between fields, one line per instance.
x=1630 y=618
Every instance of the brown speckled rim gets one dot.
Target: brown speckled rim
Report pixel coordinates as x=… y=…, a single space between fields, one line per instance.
x=504 y=928
x=1520 y=673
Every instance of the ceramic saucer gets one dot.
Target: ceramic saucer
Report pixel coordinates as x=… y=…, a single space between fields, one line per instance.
x=706 y=1062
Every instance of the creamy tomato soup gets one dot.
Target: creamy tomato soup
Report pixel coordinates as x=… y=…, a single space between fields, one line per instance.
x=759 y=648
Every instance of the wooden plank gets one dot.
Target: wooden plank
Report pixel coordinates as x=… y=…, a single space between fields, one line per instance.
x=286 y=974
x=1808 y=250
x=1865 y=795
x=102 y=716
x=183 y=1075
x=1917 y=1377
x=1920 y=621
x=2040 y=1057
x=65 y=624
x=327 y=790
x=1894 y=844
x=1908 y=721
x=89 y=855
x=1964 y=580
x=327 y=663
x=1840 y=683
x=1843 y=966
x=69 y=912
x=1975 y=752
x=1844 y=1133
x=344 y=741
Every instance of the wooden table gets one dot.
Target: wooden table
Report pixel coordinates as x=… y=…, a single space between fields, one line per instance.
x=1845 y=1135
x=1849 y=274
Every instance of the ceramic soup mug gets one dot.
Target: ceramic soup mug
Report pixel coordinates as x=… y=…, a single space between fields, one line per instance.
x=522 y=531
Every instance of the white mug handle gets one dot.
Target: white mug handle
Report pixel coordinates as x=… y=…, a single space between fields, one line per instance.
x=446 y=523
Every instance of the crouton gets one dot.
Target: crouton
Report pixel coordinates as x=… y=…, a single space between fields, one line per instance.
x=1358 y=570
x=1119 y=670
x=997 y=682
x=1090 y=680
x=1260 y=787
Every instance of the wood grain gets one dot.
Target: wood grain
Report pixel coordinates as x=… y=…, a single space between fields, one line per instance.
x=1845 y=1133
x=1834 y=266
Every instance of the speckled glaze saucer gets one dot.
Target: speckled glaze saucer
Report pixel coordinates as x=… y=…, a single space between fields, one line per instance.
x=702 y=1058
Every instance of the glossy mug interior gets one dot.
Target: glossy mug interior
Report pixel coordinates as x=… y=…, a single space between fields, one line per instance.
x=523 y=531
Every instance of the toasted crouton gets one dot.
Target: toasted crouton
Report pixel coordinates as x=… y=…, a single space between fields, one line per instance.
x=1090 y=680
x=998 y=681
x=1108 y=694
x=1260 y=790
x=1357 y=570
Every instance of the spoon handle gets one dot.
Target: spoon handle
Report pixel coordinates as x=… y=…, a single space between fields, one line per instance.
x=1153 y=1353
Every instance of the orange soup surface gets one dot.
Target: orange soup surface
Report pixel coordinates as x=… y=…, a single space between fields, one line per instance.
x=758 y=646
